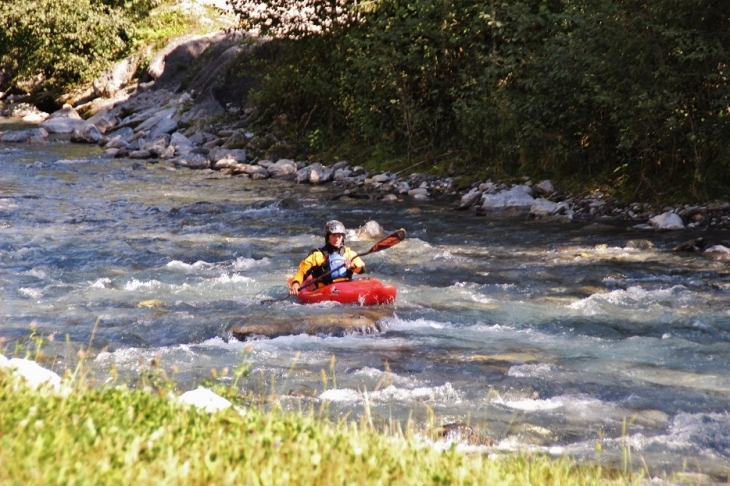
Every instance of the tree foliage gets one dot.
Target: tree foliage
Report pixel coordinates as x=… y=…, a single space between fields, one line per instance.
x=629 y=93
x=57 y=43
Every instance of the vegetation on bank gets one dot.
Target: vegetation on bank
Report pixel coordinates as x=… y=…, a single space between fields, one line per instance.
x=112 y=434
x=630 y=96
x=48 y=47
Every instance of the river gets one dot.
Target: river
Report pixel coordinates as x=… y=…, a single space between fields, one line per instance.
x=541 y=337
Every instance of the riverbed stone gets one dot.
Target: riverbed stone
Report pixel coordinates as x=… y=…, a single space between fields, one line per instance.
x=717 y=252
x=667 y=221
x=205 y=399
x=86 y=133
x=469 y=199
x=370 y=231
x=338 y=324
x=283 y=169
x=33 y=374
x=23 y=136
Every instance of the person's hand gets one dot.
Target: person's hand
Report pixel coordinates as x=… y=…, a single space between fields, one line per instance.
x=348 y=264
x=294 y=288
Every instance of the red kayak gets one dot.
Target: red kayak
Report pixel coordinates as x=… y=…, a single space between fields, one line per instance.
x=364 y=291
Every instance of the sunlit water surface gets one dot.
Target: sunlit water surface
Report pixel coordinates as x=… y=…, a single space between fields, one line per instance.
x=541 y=337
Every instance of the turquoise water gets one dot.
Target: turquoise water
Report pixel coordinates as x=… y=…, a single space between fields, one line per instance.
x=551 y=338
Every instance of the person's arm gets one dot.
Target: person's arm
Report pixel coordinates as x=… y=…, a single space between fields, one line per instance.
x=313 y=260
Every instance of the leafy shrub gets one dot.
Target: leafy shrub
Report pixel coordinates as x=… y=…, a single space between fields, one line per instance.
x=59 y=43
x=630 y=94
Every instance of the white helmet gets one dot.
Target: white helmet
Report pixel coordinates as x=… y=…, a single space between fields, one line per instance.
x=333 y=227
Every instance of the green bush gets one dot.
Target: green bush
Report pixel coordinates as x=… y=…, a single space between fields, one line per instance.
x=48 y=44
x=630 y=94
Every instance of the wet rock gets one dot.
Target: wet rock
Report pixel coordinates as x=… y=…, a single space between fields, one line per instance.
x=193 y=161
x=283 y=169
x=717 y=252
x=418 y=192
x=370 y=231
x=667 y=221
x=639 y=245
x=545 y=187
x=86 y=133
x=469 y=199
x=256 y=172
x=23 y=136
x=718 y=206
x=542 y=208
x=61 y=125
x=289 y=203
x=695 y=244
x=268 y=325
x=517 y=197
x=464 y=434
x=205 y=399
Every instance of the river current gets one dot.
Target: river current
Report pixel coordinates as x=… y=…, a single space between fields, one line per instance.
x=541 y=337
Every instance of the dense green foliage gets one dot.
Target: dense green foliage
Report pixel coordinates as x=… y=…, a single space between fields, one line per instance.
x=629 y=93
x=47 y=44
x=115 y=435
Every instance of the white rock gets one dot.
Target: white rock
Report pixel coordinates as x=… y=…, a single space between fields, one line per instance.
x=205 y=399
x=543 y=207
x=34 y=374
x=667 y=221
x=717 y=249
x=370 y=231
x=517 y=197
x=283 y=168
x=61 y=125
x=419 y=191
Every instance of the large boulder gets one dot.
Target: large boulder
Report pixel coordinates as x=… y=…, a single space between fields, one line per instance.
x=517 y=197
x=342 y=323
x=61 y=125
x=117 y=77
x=283 y=169
x=23 y=136
x=86 y=133
x=667 y=221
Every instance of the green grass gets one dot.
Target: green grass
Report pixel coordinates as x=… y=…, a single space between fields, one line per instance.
x=113 y=434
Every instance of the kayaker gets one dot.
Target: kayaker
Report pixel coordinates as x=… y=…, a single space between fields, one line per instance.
x=334 y=255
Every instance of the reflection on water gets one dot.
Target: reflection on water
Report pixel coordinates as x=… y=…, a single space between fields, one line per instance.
x=544 y=337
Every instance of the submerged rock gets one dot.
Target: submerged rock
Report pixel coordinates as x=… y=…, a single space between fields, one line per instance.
x=338 y=324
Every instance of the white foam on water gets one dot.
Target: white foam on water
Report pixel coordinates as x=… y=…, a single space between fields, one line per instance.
x=242 y=263
x=101 y=283
x=397 y=323
x=235 y=278
x=447 y=256
x=135 y=284
x=528 y=405
x=637 y=299
x=391 y=393
x=32 y=293
x=187 y=267
x=530 y=370
x=376 y=375
x=139 y=358
x=341 y=395
x=36 y=272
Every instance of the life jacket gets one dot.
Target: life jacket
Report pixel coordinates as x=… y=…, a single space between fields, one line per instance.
x=334 y=258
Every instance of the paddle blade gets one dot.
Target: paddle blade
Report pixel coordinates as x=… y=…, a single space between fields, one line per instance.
x=388 y=241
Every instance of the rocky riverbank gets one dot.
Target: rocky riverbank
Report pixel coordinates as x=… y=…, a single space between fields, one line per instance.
x=203 y=123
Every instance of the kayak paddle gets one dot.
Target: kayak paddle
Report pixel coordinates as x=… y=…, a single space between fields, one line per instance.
x=390 y=240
